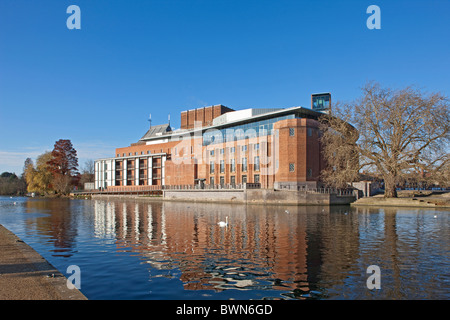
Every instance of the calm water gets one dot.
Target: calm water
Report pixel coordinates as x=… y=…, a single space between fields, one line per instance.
x=167 y=250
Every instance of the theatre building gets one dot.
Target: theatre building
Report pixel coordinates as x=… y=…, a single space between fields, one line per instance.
x=218 y=147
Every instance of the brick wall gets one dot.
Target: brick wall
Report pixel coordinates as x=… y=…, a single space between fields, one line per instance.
x=292 y=156
x=180 y=174
x=203 y=115
x=299 y=156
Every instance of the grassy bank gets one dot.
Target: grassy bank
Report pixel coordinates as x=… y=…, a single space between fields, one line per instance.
x=428 y=199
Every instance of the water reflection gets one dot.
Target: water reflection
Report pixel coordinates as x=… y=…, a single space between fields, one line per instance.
x=260 y=247
x=307 y=252
x=266 y=252
x=59 y=226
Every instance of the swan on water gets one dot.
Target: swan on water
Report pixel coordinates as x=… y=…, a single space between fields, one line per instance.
x=223 y=223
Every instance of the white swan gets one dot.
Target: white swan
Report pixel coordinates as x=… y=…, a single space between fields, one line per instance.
x=222 y=223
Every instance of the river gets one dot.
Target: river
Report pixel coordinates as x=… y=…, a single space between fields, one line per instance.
x=128 y=249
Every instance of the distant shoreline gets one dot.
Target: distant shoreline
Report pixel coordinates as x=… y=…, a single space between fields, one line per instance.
x=419 y=199
x=416 y=200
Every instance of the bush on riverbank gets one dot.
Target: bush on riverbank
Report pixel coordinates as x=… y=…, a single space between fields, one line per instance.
x=11 y=184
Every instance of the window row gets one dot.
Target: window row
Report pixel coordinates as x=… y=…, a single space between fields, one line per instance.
x=256 y=179
x=138 y=153
x=244 y=165
x=244 y=131
x=244 y=148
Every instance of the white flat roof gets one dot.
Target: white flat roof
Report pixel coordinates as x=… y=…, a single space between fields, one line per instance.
x=240 y=116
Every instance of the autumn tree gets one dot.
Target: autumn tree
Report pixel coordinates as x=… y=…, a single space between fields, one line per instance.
x=398 y=134
x=64 y=166
x=39 y=178
x=28 y=165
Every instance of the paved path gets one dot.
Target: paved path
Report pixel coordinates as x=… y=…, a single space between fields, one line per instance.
x=26 y=275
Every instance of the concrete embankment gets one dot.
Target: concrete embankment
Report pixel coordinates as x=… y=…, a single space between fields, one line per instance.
x=249 y=196
x=26 y=275
x=258 y=196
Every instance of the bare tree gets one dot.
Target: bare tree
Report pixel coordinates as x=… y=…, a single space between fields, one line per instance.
x=87 y=173
x=89 y=167
x=62 y=183
x=399 y=133
x=340 y=149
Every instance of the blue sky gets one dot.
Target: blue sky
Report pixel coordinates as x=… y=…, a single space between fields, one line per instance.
x=97 y=85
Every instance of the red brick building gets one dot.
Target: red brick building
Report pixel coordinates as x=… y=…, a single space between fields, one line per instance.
x=216 y=145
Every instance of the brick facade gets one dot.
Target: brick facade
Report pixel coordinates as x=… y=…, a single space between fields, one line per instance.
x=204 y=116
x=289 y=156
x=299 y=154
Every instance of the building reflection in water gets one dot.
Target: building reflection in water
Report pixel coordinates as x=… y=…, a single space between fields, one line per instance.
x=322 y=252
x=259 y=244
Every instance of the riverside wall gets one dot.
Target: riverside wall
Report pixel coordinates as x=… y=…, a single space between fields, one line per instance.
x=258 y=196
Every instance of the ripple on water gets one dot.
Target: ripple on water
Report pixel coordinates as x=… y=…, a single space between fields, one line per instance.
x=139 y=250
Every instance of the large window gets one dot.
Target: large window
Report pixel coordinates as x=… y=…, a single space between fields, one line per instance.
x=256 y=163
x=242 y=131
x=211 y=167
x=244 y=164
x=222 y=166
x=321 y=101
